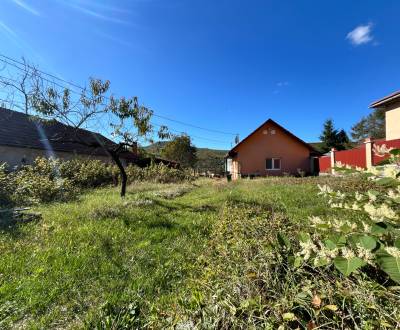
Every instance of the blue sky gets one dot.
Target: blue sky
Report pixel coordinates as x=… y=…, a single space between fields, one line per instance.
x=224 y=65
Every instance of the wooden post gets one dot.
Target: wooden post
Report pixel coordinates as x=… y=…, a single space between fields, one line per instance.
x=368 y=152
x=333 y=150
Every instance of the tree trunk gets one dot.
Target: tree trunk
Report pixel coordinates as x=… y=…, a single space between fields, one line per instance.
x=124 y=178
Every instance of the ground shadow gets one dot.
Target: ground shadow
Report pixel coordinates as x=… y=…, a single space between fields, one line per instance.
x=11 y=221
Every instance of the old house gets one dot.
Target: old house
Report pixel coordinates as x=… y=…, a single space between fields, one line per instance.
x=22 y=139
x=271 y=150
x=391 y=105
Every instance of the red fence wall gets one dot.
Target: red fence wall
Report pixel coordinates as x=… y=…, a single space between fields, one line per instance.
x=325 y=163
x=353 y=157
x=389 y=144
x=357 y=156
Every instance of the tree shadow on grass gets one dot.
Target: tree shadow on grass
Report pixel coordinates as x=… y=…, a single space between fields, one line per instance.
x=11 y=222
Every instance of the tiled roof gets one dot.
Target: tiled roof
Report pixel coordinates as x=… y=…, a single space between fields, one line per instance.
x=20 y=130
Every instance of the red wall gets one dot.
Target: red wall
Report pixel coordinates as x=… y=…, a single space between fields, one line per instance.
x=354 y=157
x=325 y=163
x=390 y=144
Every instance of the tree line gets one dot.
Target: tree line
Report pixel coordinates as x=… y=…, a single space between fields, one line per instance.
x=371 y=126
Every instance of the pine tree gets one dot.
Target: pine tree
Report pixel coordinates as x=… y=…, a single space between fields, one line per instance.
x=332 y=138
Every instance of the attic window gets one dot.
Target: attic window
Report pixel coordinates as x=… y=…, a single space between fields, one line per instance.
x=273 y=164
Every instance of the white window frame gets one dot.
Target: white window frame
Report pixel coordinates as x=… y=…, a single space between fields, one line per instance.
x=273 y=164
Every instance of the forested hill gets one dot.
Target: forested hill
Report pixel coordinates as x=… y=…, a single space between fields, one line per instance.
x=208 y=159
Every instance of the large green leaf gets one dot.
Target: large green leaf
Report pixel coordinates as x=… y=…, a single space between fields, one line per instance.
x=391 y=266
x=368 y=242
x=347 y=266
x=386 y=181
x=338 y=240
x=304 y=237
x=395 y=152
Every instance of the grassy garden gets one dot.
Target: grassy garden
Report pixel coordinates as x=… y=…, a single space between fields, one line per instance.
x=203 y=254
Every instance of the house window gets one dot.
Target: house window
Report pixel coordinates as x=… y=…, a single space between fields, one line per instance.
x=273 y=164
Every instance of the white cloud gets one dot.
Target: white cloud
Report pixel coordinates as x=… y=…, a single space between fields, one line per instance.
x=25 y=6
x=101 y=12
x=282 y=83
x=361 y=35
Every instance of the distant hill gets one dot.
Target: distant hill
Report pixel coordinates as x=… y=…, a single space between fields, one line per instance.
x=208 y=159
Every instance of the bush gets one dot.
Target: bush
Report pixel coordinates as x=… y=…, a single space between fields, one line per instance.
x=5 y=187
x=47 y=180
x=40 y=182
x=158 y=173
x=87 y=173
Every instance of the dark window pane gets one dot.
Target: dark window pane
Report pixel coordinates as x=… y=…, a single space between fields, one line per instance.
x=268 y=164
x=277 y=163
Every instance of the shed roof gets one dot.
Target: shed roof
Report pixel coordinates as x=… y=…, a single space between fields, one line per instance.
x=20 y=130
x=387 y=100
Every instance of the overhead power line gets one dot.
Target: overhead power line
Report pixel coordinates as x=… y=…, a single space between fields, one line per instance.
x=15 y=63
x=15 y=102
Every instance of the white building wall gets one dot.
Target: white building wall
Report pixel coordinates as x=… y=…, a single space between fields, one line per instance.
x=15 y=156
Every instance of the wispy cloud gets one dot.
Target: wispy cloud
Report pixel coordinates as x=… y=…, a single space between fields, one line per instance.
x=13 y=37
x=279 y=86
x=114 y=39
x=99 y=11
x=362 y=34
x=282 y=83
x=22 y=4
x=7 y=31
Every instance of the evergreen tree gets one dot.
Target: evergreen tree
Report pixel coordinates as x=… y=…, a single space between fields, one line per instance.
x=332 y=138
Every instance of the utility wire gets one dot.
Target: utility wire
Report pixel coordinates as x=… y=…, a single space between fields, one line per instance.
x=7 y=59
x=14 y=102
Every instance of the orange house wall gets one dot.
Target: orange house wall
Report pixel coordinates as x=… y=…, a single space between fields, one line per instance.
x=252 y=154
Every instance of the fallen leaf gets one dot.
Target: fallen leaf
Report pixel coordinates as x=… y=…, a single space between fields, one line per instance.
x=316 y=301
x=333 y=308
x=288 y=316
x=311 y=325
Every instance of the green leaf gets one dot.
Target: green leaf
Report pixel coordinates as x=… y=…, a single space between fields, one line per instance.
x=284 y=241
x=288 y=316
x=391 y=266
x=379 y=228
x=295 y=262
x=347 y=266
x=330 y=244
x=374 y=192
x=338 y=240
x=319 y=262
x=368 y=242
x=304 y=237
x=386 y=181
x=397 y=243
x=395 y=152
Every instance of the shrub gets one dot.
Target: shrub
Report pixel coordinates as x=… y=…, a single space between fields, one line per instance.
x=40 y=182
x=88 y=173
x=5 y=187
x=158 y=173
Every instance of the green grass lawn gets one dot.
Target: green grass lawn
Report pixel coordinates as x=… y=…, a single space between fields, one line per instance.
x=155 y=259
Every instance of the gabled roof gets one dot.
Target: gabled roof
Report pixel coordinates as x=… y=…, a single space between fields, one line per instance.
x=270 y=121
x=394 y=97
x=20 y=130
